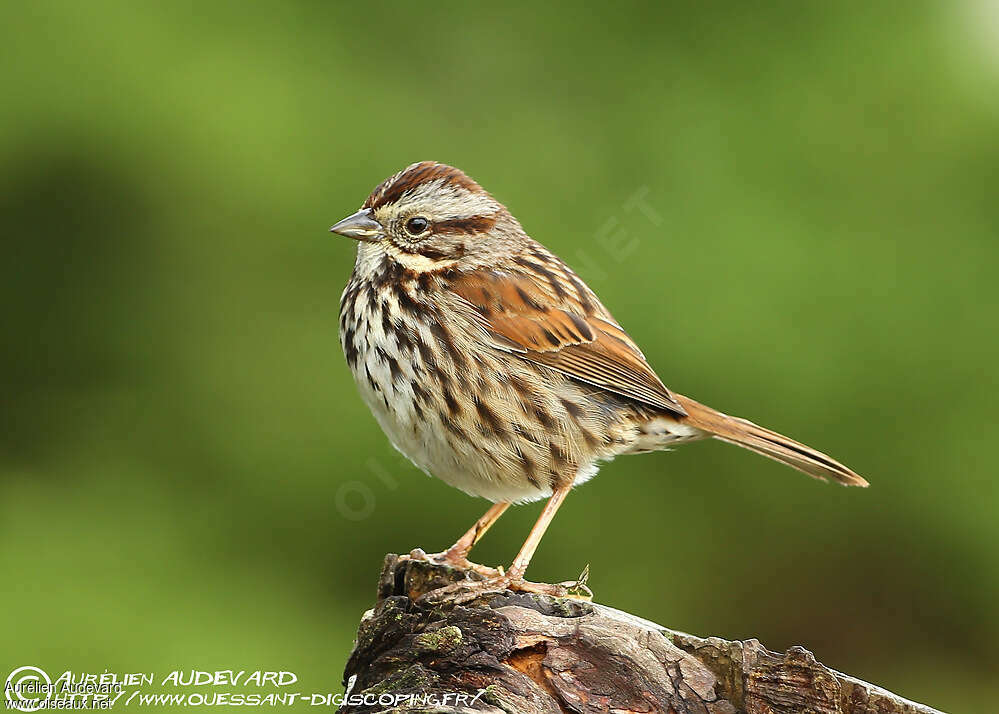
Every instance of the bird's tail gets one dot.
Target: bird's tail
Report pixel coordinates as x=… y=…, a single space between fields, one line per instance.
x=767 y=443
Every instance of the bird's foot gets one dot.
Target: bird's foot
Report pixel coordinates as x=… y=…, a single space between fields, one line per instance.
x=455 y=560
x=464 y=592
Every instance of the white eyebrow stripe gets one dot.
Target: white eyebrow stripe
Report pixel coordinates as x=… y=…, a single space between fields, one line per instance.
x=448 y=200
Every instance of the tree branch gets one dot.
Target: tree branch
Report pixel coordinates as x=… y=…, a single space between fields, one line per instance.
x=531 y=654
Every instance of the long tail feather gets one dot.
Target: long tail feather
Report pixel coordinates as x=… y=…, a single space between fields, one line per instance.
x=767 y=443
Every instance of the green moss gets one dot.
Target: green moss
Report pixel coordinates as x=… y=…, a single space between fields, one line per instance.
x=442 y=641
x=412 y=678
x=493 y=694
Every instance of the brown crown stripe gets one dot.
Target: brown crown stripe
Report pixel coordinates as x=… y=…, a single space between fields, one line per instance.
x=392 y=189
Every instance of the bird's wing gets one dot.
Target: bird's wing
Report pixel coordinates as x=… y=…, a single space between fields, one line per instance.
x=542 y=312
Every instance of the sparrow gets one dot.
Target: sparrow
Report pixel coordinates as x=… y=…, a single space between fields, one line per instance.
x=492 y=366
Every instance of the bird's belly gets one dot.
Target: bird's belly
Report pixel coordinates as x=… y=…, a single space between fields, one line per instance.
x=482 y=420
x=478 y=467
x=429 y=407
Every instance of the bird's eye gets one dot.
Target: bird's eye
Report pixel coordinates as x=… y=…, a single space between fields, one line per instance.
x=416 y=226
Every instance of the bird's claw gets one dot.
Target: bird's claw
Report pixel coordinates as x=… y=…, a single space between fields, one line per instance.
x=454 y=560
x=464 y=592
x=494 y=581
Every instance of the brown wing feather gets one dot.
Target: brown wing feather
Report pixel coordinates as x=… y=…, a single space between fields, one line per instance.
x=545 y=314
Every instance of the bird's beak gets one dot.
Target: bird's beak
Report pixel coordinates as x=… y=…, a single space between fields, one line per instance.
x=360 y=226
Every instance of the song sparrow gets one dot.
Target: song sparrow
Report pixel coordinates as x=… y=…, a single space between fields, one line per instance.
x=492 y=366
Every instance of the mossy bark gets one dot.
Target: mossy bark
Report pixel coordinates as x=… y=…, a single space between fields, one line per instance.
x=531 y=654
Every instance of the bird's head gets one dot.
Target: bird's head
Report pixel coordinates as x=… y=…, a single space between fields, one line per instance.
x=431 y=216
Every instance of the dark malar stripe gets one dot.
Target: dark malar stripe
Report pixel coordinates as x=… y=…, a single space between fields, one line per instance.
x=388 y=272
x=425 y=281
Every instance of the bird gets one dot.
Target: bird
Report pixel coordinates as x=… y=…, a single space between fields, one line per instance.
x=493 y=367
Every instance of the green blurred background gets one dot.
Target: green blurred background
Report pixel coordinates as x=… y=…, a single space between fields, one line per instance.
x=189 y=479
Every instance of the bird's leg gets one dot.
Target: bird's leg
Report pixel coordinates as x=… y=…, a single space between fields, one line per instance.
x=457 y=554
x=513 y=579
x=515 y=575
